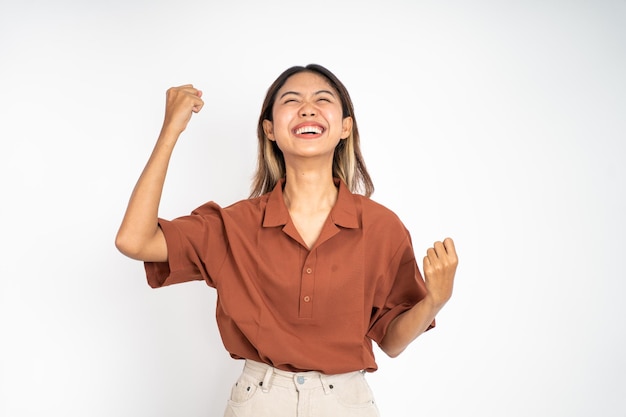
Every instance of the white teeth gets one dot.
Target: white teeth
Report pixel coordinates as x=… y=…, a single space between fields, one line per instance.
x=309 y=129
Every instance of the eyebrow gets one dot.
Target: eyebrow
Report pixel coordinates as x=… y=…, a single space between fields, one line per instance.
x=300 y=94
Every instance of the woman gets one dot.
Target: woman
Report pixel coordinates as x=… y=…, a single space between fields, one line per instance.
x=308 y=274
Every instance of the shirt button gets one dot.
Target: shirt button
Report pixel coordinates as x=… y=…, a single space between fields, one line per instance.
x=307 y=298
x=309 y=270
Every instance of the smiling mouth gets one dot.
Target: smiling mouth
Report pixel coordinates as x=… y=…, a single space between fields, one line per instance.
x=309 y=130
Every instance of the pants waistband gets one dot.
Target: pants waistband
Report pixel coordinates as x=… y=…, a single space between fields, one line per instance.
x=269 y=376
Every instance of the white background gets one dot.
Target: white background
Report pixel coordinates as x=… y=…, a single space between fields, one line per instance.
x=499 y=123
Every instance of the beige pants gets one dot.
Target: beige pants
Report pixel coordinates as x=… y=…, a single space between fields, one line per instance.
x=263 y=391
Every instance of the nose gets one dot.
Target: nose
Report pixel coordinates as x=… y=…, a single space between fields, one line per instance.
x=307 y=109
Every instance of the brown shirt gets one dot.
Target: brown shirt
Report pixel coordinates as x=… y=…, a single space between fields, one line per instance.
x=283 y=304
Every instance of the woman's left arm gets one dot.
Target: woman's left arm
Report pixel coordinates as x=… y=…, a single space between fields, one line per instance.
x=440 y=265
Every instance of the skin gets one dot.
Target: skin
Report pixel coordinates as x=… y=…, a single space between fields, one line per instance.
x=139 y=236
x=306 y=100
x=439 y=266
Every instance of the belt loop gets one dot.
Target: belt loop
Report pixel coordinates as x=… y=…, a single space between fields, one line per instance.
x=265 y=385
x=325 y=385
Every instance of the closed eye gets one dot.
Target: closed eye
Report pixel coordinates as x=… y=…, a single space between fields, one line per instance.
x=325 y=95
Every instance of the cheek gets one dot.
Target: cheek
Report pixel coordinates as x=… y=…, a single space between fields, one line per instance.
x=335 y=120
x=281 y=128
x=281 y=121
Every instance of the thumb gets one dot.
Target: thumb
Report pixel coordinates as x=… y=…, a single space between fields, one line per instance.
x=427 y=267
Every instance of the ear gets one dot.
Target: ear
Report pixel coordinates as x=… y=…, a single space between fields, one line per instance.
x=268 y=128
x=346 y=127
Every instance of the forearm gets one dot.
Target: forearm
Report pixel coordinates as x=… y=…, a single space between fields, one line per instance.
x=440 y=265
x=408 y=326
x=139 y=236
x=140 y=222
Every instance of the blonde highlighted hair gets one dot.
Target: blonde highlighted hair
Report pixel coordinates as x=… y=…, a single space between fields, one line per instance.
x=348 y=164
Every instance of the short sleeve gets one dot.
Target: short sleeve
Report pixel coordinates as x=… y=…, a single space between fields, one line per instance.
x=196 y=246
x=398 y=291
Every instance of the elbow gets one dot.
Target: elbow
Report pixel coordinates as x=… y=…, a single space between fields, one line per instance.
x=126 y=246
x=391 y=351
x=140 y=247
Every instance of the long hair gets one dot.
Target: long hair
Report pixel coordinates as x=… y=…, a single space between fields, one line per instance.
x=348 y=164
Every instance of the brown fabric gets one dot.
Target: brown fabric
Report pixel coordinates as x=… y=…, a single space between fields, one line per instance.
x=282 y=304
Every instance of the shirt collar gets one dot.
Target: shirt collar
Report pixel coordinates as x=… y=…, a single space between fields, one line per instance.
x=343 y=213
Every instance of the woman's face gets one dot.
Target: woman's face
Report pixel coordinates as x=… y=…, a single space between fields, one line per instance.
x=308 y=118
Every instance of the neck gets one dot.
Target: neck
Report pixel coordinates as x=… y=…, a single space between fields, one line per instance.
x=309 y=191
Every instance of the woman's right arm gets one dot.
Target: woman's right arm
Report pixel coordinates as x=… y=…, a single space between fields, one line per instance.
x=139 y=236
